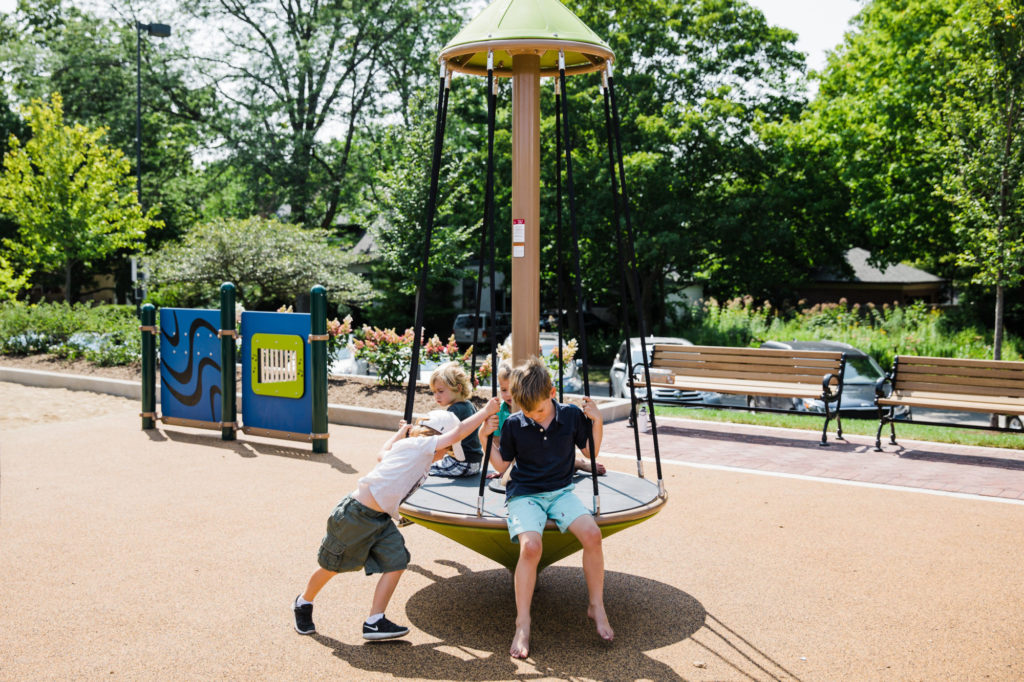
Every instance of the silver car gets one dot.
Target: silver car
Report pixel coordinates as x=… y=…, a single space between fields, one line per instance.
x=629 y=361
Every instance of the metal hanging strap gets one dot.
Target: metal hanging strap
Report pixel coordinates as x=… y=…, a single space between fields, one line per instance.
x=488 y=230
x=634 y=277
x=435 y=172
x=578 y=271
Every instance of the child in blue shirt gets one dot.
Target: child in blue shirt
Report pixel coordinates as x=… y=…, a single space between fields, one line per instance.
x=542 y=438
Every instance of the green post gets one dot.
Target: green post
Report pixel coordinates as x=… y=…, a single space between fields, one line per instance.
x=148 y=330
x=318 y=349
x=227 y=332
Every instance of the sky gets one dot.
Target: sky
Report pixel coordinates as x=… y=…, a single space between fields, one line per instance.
x=820 y=24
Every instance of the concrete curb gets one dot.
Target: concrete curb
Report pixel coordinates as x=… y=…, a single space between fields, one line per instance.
x=74 y=382
x=345 y=415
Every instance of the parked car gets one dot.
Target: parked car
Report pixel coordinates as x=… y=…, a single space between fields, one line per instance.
x=463 y=328
x=625 y=362
x=570 y=370
x=859 y=378
x=549 y=320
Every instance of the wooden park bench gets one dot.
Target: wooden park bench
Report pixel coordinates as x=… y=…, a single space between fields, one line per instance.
x=816 y=375
x=989 y=386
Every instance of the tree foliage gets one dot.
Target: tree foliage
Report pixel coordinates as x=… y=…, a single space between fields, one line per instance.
x=299 y=81
x=270 y=263
x=57 y=46
x=922 y=108
x=70 y=195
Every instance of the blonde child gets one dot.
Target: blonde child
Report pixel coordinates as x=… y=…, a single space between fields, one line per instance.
x=451 y=388
x=542 y=438
x=361 y=532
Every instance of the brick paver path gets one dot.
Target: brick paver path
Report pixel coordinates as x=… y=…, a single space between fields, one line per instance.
x=993 y=472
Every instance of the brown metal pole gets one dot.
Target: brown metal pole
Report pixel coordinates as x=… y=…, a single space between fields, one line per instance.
x=525 y=285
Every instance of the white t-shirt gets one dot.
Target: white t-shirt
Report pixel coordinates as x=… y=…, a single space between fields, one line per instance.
x=400 y=470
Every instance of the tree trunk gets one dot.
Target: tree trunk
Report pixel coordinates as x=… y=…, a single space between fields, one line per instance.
x=997 y=336
x=67 y=282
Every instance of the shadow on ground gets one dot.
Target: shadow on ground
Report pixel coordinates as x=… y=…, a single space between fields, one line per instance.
x=248 y=448
x=473 y=615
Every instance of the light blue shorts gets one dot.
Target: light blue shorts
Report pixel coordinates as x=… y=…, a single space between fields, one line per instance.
x=531 y=512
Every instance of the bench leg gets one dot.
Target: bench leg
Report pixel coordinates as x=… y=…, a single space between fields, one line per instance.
x=824 y=429
x=839 y=426
x=892 y=425
x=878 y=435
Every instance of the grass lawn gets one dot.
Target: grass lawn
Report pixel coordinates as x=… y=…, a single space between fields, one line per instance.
x=863 y=427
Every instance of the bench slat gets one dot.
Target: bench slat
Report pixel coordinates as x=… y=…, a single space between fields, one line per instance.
x=751 y=375
x=729 y=350
x=954 y=403
x=746 y=387
x=1010 y=376
x=753 y=361
x=947 y=395
x=959 y=387
x=923 y=360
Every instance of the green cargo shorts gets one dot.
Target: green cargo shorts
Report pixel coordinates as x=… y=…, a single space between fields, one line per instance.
x=359 y=537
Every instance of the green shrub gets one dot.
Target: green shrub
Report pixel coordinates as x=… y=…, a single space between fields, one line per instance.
x=105 y=334
x=883 y=332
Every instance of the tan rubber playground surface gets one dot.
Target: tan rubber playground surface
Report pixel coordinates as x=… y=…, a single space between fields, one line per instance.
x=171 y=555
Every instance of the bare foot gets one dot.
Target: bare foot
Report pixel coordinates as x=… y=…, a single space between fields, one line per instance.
x=521 y=642
x=600 y=618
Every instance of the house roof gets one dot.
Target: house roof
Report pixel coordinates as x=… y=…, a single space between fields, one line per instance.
x=865 y=273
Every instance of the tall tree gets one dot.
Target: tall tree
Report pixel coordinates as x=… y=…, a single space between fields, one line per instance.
x=57 y=46
x=70 y=194
x=696 y=81
x=979 y=126
x=922 y=108
x=297 y=74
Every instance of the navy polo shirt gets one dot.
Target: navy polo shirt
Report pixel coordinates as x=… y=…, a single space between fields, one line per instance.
x=545 y=458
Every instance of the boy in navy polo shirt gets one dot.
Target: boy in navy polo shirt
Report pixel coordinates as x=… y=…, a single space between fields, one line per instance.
x=542 y=439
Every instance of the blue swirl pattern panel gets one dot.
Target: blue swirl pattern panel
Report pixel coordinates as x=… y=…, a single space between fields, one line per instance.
x=190 y=361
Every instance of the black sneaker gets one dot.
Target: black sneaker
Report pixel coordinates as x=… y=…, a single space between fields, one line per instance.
x=383 y=629
x=303 y=618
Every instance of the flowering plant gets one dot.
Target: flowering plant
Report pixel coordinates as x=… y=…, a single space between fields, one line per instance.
x=435 y=351
x=550 y=359
x=388 y=352
x=338 y=334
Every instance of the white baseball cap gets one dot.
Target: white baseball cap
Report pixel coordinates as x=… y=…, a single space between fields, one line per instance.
x=443 y=422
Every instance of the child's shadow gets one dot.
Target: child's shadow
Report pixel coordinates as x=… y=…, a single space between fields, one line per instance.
x=473 y=616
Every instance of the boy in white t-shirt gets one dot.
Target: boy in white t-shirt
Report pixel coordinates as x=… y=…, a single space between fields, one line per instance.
x=361 y=532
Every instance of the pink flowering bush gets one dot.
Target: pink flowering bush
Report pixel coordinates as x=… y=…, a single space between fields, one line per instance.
x=339 y=334
x=387 y=351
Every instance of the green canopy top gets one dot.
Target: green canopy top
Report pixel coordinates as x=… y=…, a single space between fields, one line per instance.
x=541 y=27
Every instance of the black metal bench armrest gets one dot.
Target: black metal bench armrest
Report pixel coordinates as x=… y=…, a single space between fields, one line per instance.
x=880 y=391
x=826 y=388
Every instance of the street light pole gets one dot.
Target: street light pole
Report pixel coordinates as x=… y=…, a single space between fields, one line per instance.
x=157 y=31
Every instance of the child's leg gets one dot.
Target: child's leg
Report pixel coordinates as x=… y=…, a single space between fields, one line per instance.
x=530 y=548
x=385 y=588
x=586 y=531
x=317 y=582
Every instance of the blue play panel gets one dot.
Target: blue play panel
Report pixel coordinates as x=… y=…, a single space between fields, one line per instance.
x=277 y=384
x=190 y=376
